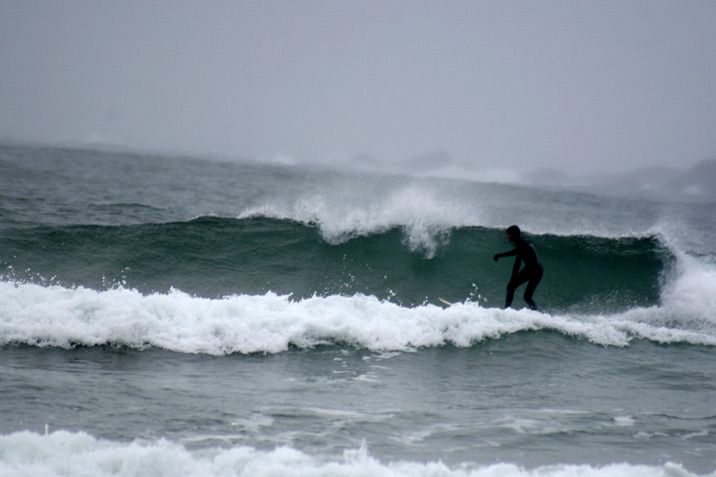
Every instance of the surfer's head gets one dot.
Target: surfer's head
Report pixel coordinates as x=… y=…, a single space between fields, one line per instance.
x=513 y=233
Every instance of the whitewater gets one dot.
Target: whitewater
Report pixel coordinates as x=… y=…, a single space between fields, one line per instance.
x=177 y=316
x=56 y=316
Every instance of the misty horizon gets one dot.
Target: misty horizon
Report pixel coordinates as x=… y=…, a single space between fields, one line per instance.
x=583 y=88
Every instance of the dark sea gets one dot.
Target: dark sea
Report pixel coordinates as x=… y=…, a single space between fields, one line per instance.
x=174 y=316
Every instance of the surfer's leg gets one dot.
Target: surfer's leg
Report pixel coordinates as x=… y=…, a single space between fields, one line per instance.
x=510 y=295
x=534 y=280
x=512 y=286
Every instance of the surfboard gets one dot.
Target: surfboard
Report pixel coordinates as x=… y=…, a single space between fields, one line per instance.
x=445 y=301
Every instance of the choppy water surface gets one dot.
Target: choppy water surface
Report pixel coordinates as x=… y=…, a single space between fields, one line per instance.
x=180 y=316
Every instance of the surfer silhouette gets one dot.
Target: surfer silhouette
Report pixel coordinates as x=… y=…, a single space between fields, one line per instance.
x=531 y=273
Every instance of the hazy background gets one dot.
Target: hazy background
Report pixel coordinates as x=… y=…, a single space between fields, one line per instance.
x=582 y=86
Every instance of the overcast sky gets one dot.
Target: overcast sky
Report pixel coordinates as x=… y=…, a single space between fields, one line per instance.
x=583 y=86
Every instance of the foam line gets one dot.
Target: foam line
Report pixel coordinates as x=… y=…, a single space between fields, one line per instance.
x=65 y=453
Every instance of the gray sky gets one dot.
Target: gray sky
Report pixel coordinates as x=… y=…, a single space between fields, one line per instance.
x=583 y=86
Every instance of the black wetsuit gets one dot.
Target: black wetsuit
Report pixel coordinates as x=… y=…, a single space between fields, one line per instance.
x=532 y=272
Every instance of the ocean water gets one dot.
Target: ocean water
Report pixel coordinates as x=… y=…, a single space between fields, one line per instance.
x=176 y=316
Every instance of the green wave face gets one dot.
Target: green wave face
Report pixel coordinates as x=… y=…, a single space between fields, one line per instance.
x=216 y=257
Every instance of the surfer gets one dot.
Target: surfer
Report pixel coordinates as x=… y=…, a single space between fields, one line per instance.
x=532 y=272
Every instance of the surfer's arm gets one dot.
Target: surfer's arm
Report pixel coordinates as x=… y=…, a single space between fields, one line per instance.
x=511 y=253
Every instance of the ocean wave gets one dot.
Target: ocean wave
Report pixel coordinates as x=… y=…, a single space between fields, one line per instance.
x=57 y=316
x=215 y=256
x=65 y=453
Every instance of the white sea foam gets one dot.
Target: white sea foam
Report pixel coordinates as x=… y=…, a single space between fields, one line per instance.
x=61 y=453
x=693 y=290
x=58 y=316
x=423 y=212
